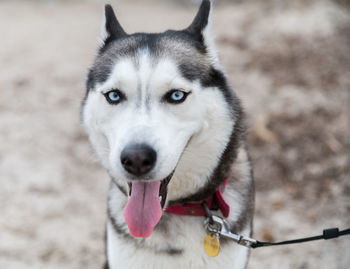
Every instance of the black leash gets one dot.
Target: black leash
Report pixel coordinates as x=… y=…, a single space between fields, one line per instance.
x=327 y=234
x=218 y=226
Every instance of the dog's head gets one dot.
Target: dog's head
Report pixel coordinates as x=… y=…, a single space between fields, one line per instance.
x=159 y=114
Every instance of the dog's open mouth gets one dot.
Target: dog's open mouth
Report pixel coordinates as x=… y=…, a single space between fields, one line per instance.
x=144 y=207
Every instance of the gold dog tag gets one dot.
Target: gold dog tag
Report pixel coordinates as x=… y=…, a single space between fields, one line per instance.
x=212 y=245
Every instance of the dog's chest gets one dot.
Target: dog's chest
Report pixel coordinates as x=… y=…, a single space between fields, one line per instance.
x=178 y=244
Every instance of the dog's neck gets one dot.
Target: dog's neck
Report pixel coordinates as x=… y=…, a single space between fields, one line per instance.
x=213 y=202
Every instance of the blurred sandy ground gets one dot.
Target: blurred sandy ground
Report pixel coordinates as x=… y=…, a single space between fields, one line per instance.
x=290 y=64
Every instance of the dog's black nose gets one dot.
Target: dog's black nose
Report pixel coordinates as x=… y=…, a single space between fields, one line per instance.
x=138 y=159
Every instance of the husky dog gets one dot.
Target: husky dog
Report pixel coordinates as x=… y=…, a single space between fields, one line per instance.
x=168 y=129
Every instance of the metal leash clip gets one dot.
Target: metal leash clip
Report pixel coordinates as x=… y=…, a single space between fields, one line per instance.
x=218 y=225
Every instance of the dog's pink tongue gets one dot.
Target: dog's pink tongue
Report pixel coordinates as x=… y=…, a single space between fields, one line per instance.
x=143 y=210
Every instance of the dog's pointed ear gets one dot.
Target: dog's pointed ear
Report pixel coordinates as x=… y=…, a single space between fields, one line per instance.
x=201 y=20
x=200 y=30
x=111 y=28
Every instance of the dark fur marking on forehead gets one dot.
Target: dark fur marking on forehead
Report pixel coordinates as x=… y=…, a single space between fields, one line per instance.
x=118 y=43
x=171 y=43
x=188 y=38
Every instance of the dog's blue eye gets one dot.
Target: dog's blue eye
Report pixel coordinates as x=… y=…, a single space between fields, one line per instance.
x=175 y=96
x=114 y=96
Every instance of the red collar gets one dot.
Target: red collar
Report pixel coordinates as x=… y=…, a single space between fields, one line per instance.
x=196 y=209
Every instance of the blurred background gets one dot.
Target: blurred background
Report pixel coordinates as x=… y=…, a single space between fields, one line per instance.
x=289 y=61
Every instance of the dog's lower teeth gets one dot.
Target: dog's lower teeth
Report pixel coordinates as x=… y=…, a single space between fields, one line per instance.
x=160 y=198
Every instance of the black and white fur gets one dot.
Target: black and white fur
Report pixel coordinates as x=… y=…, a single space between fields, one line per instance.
x=201 y=140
